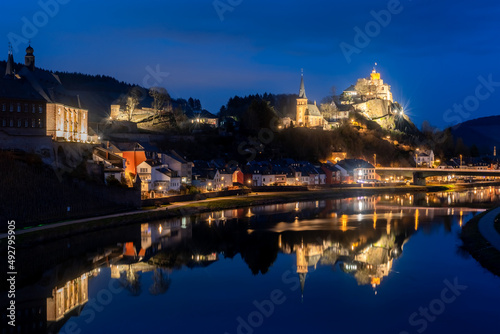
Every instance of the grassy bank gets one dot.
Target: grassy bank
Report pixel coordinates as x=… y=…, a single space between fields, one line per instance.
x=480 y=249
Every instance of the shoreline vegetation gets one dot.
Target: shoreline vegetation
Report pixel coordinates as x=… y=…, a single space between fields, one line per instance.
x=478 y=247
x=59 y=230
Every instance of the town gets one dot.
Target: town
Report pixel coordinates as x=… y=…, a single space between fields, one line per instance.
x=249 y=167
x=39 y=114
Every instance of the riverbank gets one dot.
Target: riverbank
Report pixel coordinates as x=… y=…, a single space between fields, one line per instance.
x=478 y=246
x=63 y=229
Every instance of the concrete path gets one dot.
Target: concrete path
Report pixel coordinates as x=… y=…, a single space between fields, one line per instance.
x=487 y=228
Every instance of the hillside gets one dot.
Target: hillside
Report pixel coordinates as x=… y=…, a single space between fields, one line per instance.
x=482 y=132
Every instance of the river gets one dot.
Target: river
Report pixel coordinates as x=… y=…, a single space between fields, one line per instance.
x=378 y=264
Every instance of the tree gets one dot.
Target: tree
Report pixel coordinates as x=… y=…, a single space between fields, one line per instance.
x=133 y=97
x=160 y=98
x=259 y=115
x=197 y=105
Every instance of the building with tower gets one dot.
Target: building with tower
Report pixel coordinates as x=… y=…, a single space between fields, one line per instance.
x=308 y=115
x=36 y=99
x=366 y=89
x=22 y=108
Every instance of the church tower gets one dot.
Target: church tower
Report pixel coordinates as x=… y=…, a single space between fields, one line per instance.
x=9 y=69
x=29 y=59
x=301 y=104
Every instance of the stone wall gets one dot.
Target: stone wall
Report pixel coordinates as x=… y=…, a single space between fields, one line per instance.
x=374 y=108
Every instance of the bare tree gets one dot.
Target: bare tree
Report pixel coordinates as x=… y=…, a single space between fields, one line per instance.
x=160 y=98
x=133 y=97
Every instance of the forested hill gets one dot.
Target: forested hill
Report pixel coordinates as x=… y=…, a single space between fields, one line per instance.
x=482 y=132
x=284 y=104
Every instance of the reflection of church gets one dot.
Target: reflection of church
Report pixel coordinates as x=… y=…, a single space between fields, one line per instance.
x=307 y=256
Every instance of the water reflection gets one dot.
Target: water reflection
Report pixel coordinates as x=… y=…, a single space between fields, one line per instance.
x=361 y=236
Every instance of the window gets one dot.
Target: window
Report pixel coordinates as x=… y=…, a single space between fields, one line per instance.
x=33 y=123
x=40 y=125
x=4 y=122
x=4 y=107
x=11 y=107
x=40 y=109
x=19 y=123
x=19 y=107
x=25 y=123
x=33 y=107
x=11 y=123
x=25 y=107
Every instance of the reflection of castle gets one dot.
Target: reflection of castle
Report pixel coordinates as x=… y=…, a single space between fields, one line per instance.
x=369 y=262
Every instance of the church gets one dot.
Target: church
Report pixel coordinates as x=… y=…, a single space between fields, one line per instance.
x=308 y=115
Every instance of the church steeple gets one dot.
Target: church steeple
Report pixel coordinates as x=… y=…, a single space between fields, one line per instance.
x=29 y=59
x=302 y=91
x=9 y=69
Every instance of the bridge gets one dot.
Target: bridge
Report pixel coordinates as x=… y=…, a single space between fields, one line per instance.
x=420 y=174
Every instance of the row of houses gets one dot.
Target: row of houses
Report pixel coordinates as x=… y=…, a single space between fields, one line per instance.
x=215 y=176
x=159 y=172
x=165 y=172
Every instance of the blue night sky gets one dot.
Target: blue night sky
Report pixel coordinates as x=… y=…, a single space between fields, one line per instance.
x=431 y=52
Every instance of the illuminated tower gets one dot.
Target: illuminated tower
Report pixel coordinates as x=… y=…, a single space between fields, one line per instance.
x=374 y=75
x=301 y=104
x=29 y=59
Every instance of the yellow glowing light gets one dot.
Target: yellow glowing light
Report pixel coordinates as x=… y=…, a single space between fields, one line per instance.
x=343 y=220
x=416 y=219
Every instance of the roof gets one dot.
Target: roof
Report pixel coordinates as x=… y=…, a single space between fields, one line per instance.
x=351 y=88
x=21 y=89
x=312 y=110
x=302 y=91
x=129 y=146
x=351 y=164
x=151 y=162
x=200 y=114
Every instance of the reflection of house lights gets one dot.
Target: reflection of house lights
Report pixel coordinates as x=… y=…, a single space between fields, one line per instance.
x=343 y=220
x=160 y=229
x=416 y=219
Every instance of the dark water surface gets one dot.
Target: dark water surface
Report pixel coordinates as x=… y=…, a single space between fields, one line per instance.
x=381 y=264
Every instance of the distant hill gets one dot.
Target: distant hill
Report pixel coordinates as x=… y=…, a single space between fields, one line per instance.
x=483 y=132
